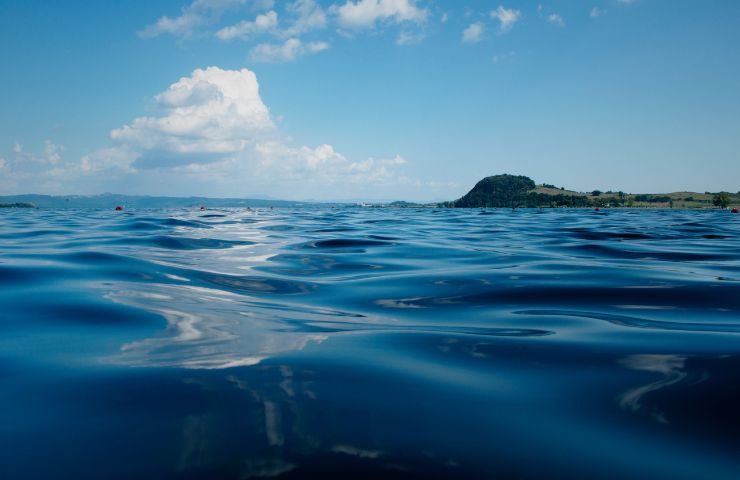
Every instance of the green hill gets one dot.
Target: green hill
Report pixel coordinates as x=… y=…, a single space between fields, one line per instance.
x=513 y=191
x=497 y=191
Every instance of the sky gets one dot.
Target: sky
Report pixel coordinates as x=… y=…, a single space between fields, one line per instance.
x=367 y=99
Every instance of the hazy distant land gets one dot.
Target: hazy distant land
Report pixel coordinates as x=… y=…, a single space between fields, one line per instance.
x=109 y=200
x=498 y=191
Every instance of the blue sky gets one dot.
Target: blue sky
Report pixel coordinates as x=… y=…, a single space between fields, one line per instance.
x=367 y=99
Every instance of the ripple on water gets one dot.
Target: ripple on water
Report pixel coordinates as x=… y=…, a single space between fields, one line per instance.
x=345 y=243
x=413 y=343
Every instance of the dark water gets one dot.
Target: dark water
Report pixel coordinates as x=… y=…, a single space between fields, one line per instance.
x=369 y=344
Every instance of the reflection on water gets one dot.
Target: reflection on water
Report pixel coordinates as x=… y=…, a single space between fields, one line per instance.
x=671 y=367
x=210 y=329
x=368 y=343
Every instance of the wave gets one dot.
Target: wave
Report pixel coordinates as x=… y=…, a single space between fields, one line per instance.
x=411 y=343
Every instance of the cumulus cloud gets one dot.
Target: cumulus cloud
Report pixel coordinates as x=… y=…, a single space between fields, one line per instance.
x=597 y=12
x=213 y=125
x=556 y=20
x=474 y=33
x=367 y=13
x=244 y=29
x=507 y=17
x=287 y=51
x=210 y=111
x=209 y=114
x=193 y=16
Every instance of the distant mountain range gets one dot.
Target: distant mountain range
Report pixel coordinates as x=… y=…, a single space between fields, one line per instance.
x=497 y=191
x=110 y=200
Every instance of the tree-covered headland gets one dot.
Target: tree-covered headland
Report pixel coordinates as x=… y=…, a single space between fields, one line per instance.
x=518 y=191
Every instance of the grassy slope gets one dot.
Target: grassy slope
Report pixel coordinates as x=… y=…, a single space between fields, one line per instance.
x=700 y=200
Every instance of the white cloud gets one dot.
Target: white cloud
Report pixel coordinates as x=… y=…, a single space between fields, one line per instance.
x=556 y=20
x=366 y=13
x=215 y=127
x=307 y=15
x=500 y=57
x=244 y=29
x=52 y=153
x=322 y=164
x=597 y=12
x=474 y=33
x=302 y=16
x=287 y=51
x=410 y=38
x=626 y=2
x=180 y=26
x=507 y=17
x=42 y=170
x=193 y=16
x=210 y=114
x=444 y=18
x=289 y=26
x=296 y=161
x=119 y=158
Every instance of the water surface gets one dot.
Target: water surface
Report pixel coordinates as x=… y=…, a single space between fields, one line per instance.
x=393 y=343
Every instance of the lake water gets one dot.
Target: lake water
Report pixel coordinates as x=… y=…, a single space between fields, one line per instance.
x=364 y=343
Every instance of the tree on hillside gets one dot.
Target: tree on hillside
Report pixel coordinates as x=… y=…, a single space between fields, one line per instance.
x=498 y=191
x=596 y=193
x=721 y=200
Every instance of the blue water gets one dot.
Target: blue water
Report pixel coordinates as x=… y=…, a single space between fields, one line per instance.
x=363 y=343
